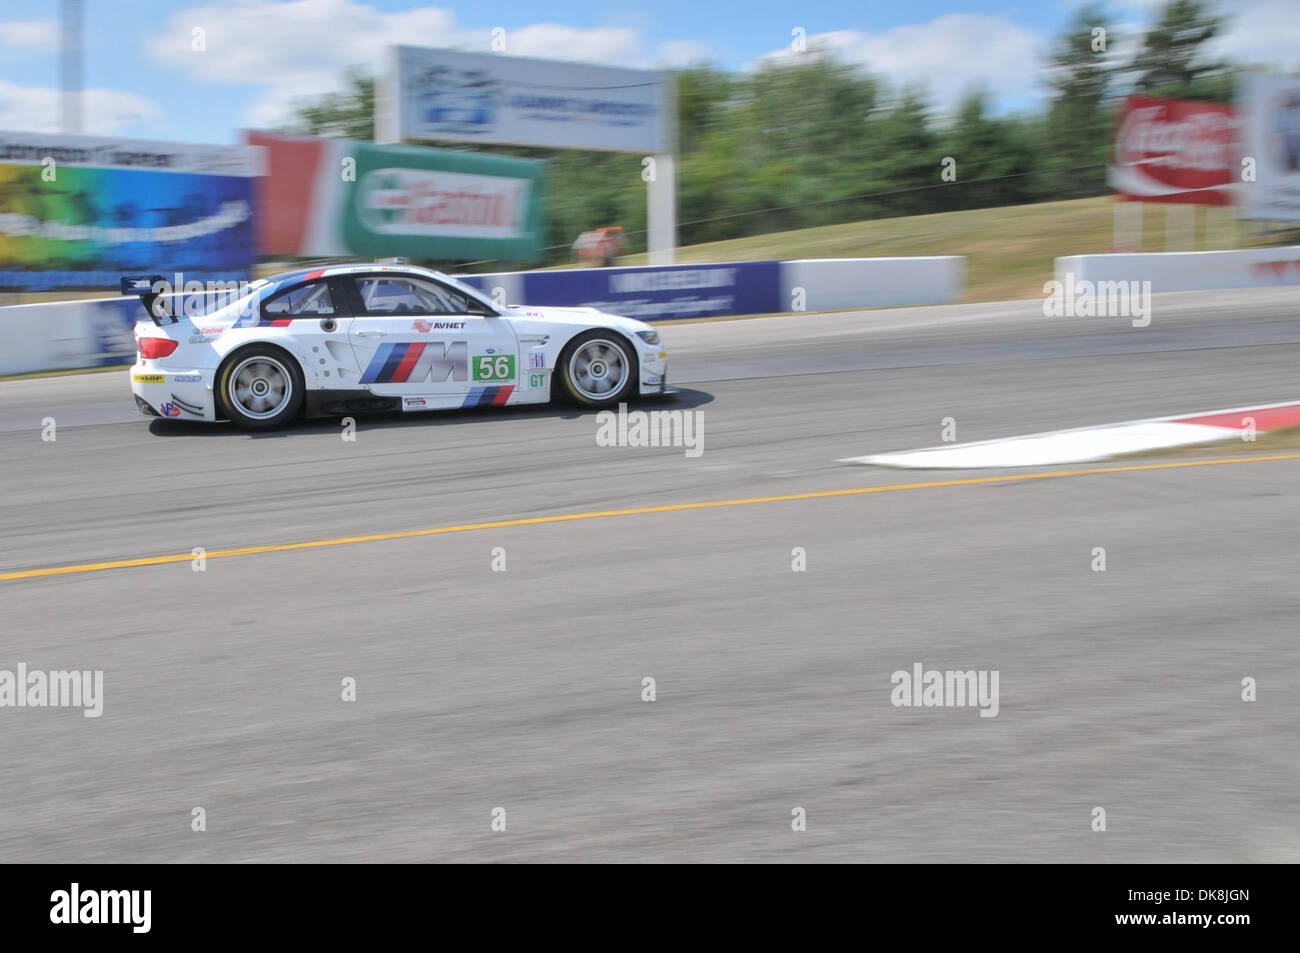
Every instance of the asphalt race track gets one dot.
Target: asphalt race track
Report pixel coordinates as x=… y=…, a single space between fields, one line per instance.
x=522 y=689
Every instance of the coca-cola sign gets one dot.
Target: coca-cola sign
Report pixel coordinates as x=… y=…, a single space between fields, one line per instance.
x=1173 y=150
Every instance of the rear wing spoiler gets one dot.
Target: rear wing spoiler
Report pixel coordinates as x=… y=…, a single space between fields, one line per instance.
x=151 y=289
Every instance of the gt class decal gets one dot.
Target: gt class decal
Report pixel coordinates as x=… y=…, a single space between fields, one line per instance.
x=418 y=361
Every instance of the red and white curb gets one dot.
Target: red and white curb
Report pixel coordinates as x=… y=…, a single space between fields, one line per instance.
x=1087 y=444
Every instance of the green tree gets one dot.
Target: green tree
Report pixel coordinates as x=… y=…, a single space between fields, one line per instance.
x=703 y=98
x=1172 y=61
x=1077 y=129
x=903 y=159
x=348 y=114
x=586 y=190
x=994 y=158
x=805 y=124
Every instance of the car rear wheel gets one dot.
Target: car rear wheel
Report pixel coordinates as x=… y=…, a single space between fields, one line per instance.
x=598 y=369
x=260 y=388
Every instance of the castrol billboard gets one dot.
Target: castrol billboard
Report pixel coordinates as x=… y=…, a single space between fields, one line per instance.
x=336 y=197
x=1174 y=150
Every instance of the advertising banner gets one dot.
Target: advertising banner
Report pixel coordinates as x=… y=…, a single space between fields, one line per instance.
x=1170 y=150
x=77 y=212
x=649 y=294
x=1270 y=106
x=335 y=197
x=499 y=99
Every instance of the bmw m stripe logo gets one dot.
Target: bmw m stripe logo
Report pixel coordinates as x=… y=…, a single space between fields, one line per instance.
x=393 y=355
x=481 y=396
x=418 y=361
x=392 y=363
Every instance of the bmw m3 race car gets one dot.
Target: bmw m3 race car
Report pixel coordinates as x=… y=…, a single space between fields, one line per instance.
x=376 y=338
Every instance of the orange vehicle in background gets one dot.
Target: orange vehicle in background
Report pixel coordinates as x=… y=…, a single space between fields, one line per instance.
x=600 y=246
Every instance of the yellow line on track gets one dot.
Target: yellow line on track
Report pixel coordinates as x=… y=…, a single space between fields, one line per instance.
x=636 y=511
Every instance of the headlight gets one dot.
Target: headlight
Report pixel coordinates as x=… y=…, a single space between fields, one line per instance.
x=650 y=337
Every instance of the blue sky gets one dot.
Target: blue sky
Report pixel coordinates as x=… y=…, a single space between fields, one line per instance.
x=144 y=79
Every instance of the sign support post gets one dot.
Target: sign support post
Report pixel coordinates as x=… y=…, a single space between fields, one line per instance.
x=661 y=212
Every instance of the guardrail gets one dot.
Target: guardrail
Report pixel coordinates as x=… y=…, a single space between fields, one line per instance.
x=833 y=284
x=1190 y=271
x=733 y=288
x=66 y=335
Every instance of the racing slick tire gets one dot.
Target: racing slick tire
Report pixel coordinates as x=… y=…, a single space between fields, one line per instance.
x=260 y=387
x=598 y=369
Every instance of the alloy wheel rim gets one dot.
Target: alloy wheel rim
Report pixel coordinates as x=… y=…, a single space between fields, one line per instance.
x=598 y=369
x=260 y=387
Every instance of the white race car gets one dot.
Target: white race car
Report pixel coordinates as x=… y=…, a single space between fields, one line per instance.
x=375 y=338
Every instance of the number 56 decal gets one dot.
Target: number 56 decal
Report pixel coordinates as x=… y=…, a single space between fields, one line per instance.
x=494 y=367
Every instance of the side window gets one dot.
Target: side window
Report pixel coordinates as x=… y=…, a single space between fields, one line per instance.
x=397 y=295
x=308 y=299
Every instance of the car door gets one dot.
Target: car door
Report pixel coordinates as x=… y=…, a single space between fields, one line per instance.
x=316 y=316
x=430 y=344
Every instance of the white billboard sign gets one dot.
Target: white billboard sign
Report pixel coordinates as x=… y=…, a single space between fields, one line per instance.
x=495 y=99
x=100 y=152
x=1270 y=129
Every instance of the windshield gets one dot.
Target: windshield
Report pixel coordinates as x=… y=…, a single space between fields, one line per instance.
x=468 y=289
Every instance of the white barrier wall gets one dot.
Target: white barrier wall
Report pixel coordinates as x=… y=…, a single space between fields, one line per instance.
x=65 y=335
x=1190 y=271
x=835 y=284
x=42 y=337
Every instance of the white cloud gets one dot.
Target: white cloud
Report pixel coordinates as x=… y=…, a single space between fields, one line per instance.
x=678 y=53
x=1261 y=32
x=613 y=46
x=300 y=48
x=948 y=55
x=1256 y=32
x=42 y=35
x=103 y=111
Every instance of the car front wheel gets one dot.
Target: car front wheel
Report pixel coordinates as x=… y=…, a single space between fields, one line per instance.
x=598 y=369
